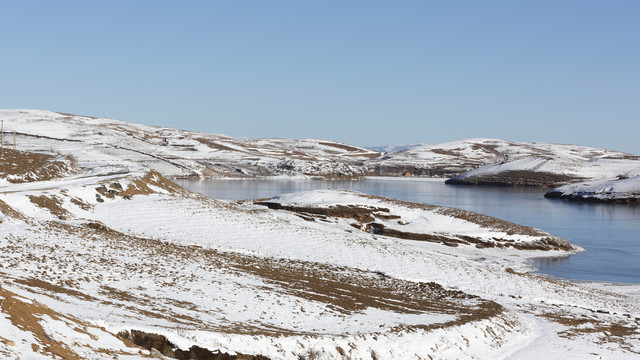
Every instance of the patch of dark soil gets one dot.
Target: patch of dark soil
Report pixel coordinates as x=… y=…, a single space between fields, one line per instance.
x=108 y=193
x=487 y=148
x=548 y=243
x=379 y=229
x=81 y=204
x=361 y=214
x=139 y=186
x=8 y=211
x=344 y=290
x=55 y=289
x=160 y=343
x=53 y=204
x=215 y=145
x=27 y=316
x=23 y=166
x=607 y=332
x=624 y=157
x=451 y=152
x=515 y=178
x=349 y=290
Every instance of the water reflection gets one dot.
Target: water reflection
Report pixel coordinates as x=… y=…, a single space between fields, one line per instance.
x=610 y=233
x=552 y=261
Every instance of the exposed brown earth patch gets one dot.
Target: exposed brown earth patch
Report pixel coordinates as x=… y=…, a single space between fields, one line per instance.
x=81 y=204
x=350 y=291
x=54 y=289
x=349 y=148
x=445 y=152
x=141 y=186
x=144 y=185
x=51 y=203
x=8 y=211
x=343 y=290
x=22 y=166
x=215 y=145
x=27 y=317
x=607 y=332
x=491 y=149
x=362 y=214
x=623 y=157
x=159 y=343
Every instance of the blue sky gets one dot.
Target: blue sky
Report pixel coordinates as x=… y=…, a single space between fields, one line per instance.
x=362 y=72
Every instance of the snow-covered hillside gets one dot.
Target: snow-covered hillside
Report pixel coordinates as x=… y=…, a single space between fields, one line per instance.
x=624 y=189
x=177 y=152
x=184 y=153
x=541 y=164
x=497 y=160
x=90 y=262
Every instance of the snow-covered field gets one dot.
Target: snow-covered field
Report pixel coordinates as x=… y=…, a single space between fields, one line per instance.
x=112 y=246
x=84 y=258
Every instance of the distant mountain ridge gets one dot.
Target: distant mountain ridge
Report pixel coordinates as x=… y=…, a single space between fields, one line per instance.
x=181 y=153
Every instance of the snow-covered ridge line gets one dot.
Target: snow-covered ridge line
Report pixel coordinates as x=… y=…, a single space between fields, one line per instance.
x=182 y=153
x=176 y=152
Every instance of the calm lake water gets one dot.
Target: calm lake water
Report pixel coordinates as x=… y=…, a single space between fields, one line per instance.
x=609 y=233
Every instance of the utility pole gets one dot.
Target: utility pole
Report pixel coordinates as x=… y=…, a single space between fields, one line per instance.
x=14 y=139
x=2 y=138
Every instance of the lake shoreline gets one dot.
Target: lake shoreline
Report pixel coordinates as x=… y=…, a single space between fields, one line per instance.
x=493 y=201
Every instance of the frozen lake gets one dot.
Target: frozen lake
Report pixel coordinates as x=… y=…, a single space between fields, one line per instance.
x=610 y=233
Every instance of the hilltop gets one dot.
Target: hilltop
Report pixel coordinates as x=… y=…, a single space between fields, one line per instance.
x=181 y=153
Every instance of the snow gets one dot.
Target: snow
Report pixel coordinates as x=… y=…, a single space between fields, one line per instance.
x=414 y=220
x=579 y=169
x=243 y=278
x=227 y=227
x=603 y=190
x=178 y=152
x=184 y=153
x=485 y=157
